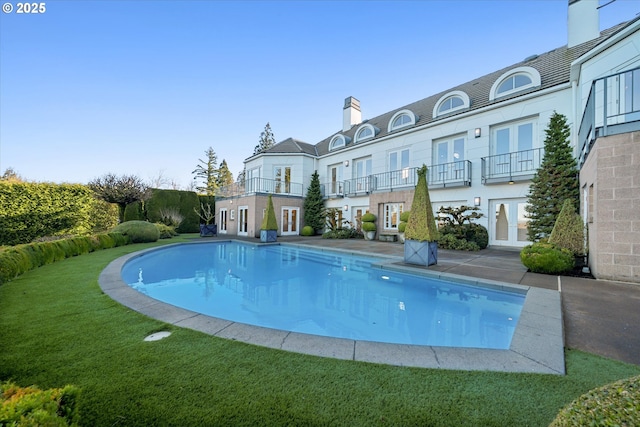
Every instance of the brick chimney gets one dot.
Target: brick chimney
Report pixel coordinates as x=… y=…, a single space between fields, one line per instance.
x=583 y=21
x=351 y=115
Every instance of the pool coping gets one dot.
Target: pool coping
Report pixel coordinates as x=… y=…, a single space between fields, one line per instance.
x=537 y=345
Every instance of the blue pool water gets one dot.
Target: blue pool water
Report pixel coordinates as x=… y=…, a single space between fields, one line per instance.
x=324 y=293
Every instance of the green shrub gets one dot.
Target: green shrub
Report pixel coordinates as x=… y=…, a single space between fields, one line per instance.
x=404 y=216
x=19 y=259
x=368 y=217
x=402 y=226
x=269 y=220
x=546 y=258
x=167 y=206
x=343 y=233
x=138 y=231
x=477 y=234
x=568 y=231
x=30 y=406
x=368 y=226
x=134 y=211
x=29 y=211
x=307 y=230
x=450 y=241
x=166 y=231
x=616 y=404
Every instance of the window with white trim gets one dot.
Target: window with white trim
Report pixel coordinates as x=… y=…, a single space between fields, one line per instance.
x=365 y=132
x=514 y=81
x=398 y=160
x=361 y=172
x=337 y=142
x=449 y=158
x=402 y=119
x=517 y=138
x=392 y=213
x=450 y=102
x=282 y=178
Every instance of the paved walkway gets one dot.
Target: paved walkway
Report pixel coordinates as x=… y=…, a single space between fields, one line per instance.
x=600 y=317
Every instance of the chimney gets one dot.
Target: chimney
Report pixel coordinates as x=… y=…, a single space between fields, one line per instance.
x=351 y=114
x=583 y=21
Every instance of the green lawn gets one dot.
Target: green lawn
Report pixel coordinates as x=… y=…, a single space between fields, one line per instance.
x=57 y=328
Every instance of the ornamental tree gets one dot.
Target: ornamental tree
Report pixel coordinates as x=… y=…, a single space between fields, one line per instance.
x=421 y=225
x=206 y=173
x=267 y=140
x=120 y=190
x=269 y=221
x=568 y=232
x=554 y=182
x=314 y=214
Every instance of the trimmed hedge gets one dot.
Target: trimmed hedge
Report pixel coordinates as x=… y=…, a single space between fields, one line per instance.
x=616 y=404
x=32 y=210
x=30 y=406
x=138 y=231
x=184 y=201
x=546 y=258
x=19 y=259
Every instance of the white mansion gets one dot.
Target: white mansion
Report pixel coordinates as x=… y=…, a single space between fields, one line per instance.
x=482 y=142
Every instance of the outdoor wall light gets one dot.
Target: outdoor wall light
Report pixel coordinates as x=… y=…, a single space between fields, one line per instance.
x=346 y=163
x=478 y=132
x=476 y=201
x=345 y=208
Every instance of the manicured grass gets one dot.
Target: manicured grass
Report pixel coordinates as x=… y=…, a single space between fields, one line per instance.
x=57 y=328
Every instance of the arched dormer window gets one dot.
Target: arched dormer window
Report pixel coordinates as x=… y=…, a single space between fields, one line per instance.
x=514 y=81
x=450 y=102
x=401 y=119
x=338 y=141
x=366 y=131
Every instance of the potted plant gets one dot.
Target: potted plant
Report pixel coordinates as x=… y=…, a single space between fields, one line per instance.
x=421 y=233
x=207 y=219
x=404 y=217
x=269 y=227
x=369 y=226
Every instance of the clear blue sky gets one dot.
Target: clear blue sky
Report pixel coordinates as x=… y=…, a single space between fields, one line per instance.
x=145 y=87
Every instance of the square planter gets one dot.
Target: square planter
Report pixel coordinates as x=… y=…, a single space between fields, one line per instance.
x=208 y=230
x=420 y=253
x=268 y=236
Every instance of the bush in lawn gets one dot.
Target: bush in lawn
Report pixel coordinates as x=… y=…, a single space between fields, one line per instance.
x=166 y=231
x=19 y=259
x=546 y=258
x=138 y=231
x=307 y=230
x=616 y=404
x=30 y=406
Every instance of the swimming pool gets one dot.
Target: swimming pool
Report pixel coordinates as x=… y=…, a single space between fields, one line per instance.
x=325 y=293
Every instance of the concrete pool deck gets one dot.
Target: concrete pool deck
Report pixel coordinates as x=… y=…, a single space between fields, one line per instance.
x=537 y=345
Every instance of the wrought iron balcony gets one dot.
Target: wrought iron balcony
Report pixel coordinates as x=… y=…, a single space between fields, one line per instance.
x=613 y=107
x=447 y=175
x=260 y=185
x=332 y=189
x=511 y=167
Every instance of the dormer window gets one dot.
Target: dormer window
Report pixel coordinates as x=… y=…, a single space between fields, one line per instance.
x=366 y=132
x=450 y=102
x=514 y=81
x=337 y=142
x=402 y=119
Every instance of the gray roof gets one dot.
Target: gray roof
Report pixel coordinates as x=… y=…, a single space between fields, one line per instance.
x=554 y=68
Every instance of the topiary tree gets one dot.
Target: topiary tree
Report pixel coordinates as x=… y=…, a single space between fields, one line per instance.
x=269 y=227
x=568 y=232
x=554 y=182
x=421 y=233
x=421 y=225
x=314 y=205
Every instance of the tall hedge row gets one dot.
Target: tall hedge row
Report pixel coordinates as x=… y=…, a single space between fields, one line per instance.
x=183 y=201
x=19 y=259
x=32 y=210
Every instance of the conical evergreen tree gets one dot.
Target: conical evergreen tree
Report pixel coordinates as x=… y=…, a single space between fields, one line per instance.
x=225 y=177
x=554 y=182
x=314 y=205
x=267 y=140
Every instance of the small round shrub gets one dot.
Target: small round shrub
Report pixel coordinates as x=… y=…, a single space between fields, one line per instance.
x=477 y=234
x=546 y=258
x=368 y=226
x=138 y=231
x=402 y=226
x=404 y=216
x=612 y=405
x=307 y=230
x=166 y=231
x=368 y=217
